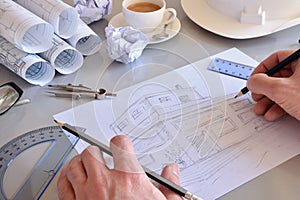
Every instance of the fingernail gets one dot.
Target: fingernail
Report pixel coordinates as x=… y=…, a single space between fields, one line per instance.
x=95 y=151
x=174 y=169
x=77 y=158
x=248 y=83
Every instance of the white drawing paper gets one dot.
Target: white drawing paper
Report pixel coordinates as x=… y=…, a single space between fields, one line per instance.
x=189 y=116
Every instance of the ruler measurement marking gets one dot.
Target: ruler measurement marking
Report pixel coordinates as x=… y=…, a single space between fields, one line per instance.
x=230 y=68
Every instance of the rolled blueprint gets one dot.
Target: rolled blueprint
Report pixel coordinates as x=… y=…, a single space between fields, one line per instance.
x=85 y=40
x=63 y=56
x=30 y=67
x=23 y=29
x=62 y=16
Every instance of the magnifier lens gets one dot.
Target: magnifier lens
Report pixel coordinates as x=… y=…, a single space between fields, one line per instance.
x=9 y=95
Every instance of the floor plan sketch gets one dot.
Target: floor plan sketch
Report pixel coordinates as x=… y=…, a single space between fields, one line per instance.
x=217 y=140
x=23 y=29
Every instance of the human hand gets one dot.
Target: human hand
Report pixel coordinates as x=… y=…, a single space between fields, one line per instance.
x=87 y=176
x=279 y=94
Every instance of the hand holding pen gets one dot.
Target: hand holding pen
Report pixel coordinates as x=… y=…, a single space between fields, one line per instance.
x=278 y=93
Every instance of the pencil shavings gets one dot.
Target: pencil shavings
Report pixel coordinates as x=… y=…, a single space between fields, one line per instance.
x=92 y=10
x=125 y=44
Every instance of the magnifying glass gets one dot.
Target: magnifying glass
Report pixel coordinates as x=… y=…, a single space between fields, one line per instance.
x=10 y=94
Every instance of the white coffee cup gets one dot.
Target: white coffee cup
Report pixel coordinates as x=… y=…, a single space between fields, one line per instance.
x=143 y=14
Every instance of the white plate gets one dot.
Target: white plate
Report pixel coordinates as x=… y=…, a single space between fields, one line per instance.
x=172 y=29
x=208 y=18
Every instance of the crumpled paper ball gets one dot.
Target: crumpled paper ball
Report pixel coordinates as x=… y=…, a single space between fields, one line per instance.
x=92 y=10
x=125 y=44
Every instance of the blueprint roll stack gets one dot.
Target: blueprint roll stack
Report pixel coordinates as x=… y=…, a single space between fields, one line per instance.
x=39 y=37
x=23 y=29
x=63 y=56
x=85 y=40
x=60 y=15
x=30 y=67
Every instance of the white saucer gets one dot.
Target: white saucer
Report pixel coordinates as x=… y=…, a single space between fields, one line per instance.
x=200 y=12
x=172 y=29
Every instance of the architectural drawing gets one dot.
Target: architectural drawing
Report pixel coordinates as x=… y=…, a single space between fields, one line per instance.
x=200 y=134
x=24 y=29
x=189 y=116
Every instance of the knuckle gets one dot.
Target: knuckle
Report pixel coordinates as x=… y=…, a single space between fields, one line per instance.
x=73 y=164
x=85 y=154
x=61 y=194
x=278 y=90
x=74 y=169
x=127 y=179
x=120 y=140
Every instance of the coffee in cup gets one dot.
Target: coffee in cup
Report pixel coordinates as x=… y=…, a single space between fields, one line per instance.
x=146 y=15
x=143 y=7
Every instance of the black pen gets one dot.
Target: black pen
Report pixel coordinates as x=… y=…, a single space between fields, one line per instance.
x=275 y=69
x=154 y=176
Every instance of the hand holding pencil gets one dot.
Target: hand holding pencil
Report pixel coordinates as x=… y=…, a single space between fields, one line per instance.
x=279 y=93
x=88 y=177
x=276 y=93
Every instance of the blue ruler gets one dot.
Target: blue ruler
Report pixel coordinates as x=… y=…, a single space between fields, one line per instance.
x=230 y=68
x=46 y=168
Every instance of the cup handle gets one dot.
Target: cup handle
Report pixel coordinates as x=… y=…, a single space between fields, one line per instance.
x=172 y=16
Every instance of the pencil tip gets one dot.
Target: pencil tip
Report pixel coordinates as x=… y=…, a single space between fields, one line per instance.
x=238 y=95
x=58 y=123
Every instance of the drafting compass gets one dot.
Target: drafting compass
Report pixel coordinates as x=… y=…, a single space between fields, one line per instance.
x=79 y=91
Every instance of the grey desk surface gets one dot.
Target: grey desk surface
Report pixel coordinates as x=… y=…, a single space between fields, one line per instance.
x=191 y=44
